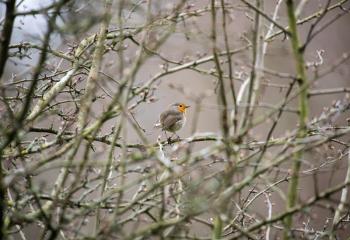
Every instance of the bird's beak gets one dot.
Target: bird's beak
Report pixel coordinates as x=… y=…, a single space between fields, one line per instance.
x=187 y=106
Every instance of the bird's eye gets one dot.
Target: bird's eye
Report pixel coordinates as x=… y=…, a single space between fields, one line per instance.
x=180 y=106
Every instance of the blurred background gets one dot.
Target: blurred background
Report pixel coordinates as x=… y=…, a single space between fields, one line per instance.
x=197 y=87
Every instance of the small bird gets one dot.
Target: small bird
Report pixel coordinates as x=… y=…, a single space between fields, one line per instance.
x=173 y=119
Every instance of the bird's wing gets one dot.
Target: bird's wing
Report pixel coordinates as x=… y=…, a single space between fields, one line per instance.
x=170 y=117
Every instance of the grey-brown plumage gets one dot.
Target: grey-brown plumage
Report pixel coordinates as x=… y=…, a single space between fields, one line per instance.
x=172 y=119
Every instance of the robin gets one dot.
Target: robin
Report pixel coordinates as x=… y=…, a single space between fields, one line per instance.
x=173 y=119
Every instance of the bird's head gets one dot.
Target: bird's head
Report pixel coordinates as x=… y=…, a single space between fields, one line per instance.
x=181 y=107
